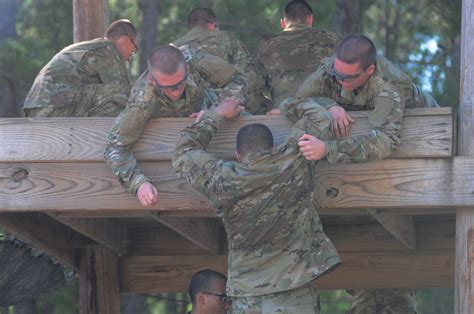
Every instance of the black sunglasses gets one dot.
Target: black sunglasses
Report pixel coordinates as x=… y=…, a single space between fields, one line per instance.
x=173 y=87
x=224 y=298
x=345 y=77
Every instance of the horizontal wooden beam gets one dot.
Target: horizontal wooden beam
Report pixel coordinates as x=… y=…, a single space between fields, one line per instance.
x=106 y=232
x=361 y=270
x=425 y=133
x=43 y=233
x=406 y=184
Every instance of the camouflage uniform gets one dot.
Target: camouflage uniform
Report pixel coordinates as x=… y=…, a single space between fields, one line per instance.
x=384 y=301
x=226 y=46
x=275 y=238
x=387 y=92
x=291 y=56
x=145 y=103
x=83 y=80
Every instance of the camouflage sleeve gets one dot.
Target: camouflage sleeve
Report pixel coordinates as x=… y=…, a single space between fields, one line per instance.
x=383 y=138
x=109 y=65
x=126 y=131
x=313 y=87
x=190 y=159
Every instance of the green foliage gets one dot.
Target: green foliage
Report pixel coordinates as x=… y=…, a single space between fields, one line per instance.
x=335 y=301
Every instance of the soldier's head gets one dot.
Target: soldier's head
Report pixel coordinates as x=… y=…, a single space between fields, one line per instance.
x=202 y=17
x=124 y=35
x=297 y=11
x=207 y=292
x=253 y=138
x=168 y=71
x=354 y=62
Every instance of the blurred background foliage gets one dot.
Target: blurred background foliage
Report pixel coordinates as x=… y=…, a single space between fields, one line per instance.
x=421 y=36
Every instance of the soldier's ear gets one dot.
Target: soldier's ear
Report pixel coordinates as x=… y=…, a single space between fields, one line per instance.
x=371 y=69
x=283 y=23
x=309 y=20
x=237 y=156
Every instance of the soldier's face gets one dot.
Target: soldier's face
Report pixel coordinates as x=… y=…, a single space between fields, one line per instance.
x=213 y=302
x=351 y=76
x=170 y=85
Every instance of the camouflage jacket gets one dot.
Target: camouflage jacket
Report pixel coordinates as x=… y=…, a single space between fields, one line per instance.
x=226 y=46
x=289 y=57
x=145 y=103
x=275 y=238
x=74 y=70
x=387 y=92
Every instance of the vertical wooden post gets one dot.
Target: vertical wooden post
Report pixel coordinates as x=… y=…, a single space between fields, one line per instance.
x=99 y=291
x=464 y=277
x=91 y=18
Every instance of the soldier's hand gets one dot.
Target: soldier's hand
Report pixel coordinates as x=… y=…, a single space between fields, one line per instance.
x=274 y=112
x=198 y=115
x=311 y=147
x=341 y=121
x=147 y=194
x=229 y=107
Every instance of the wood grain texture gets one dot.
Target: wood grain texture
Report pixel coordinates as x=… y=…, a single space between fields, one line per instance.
x=43 y=233
x=408 y=184
x=425 y=133
x=91 y=18
x=362 y=270
x=401 y=227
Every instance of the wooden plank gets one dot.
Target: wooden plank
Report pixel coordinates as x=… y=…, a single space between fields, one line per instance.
x=425 y=133
x=401 y=227
x=43 y=233
x=409 y=184
x=106 y=232
x=362 y=270
x=202 y=232
x=99 y=291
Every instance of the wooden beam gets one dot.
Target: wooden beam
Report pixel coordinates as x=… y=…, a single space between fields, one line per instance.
x=91 y=18
x=43 y=233
x=362 y=270
x=98 y=282
x=400 y=226
x=106 y=232
x=202 y=232
x=425 y=133
x=409 y=184
x=464 y=290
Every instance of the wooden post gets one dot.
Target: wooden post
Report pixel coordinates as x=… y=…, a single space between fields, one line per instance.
x=464 y=278
x=99 y=291
x=91 y=18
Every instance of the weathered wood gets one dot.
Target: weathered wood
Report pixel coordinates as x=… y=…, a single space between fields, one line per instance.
x=362 y=270
x=401 y=227
x=464 y=291
x=43 y=233
x=91 y=18
x=202 y=232
x=425 y=133
x=409 y=184
x=98 y=282
x=106 y=232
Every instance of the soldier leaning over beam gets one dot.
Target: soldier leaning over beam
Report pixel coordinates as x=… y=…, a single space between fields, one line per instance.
x=86 y=79
x=265 y=199
x=357 y=79
x=204 y=35
x=290 y=56
x=171 y=87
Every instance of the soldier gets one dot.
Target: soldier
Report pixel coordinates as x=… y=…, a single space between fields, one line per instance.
x=357 y=79
x=171 y=87
x=204 y=35
x=292 y=55
x=86 y=79
x=207 y=292
x=265 y=199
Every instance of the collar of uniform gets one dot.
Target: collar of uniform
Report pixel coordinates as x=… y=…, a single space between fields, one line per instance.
x=295 y=27
x=197 y=30
x=255 y=157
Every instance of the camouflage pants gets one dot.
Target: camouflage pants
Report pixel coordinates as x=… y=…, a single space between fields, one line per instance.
x=303 y=300
x=384 y=301
x=94 y=100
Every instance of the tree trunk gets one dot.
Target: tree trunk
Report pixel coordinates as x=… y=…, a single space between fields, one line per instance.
x=28 y=307
x=151 y=11
x=7 y=97
x=133 y=303
x=7 y=19
x=348 y=17
x=91 y=18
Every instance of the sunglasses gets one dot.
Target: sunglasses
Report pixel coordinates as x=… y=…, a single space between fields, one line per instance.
x=135 y=49
x=173 y=87
x=224 y=298
x=345 y=77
